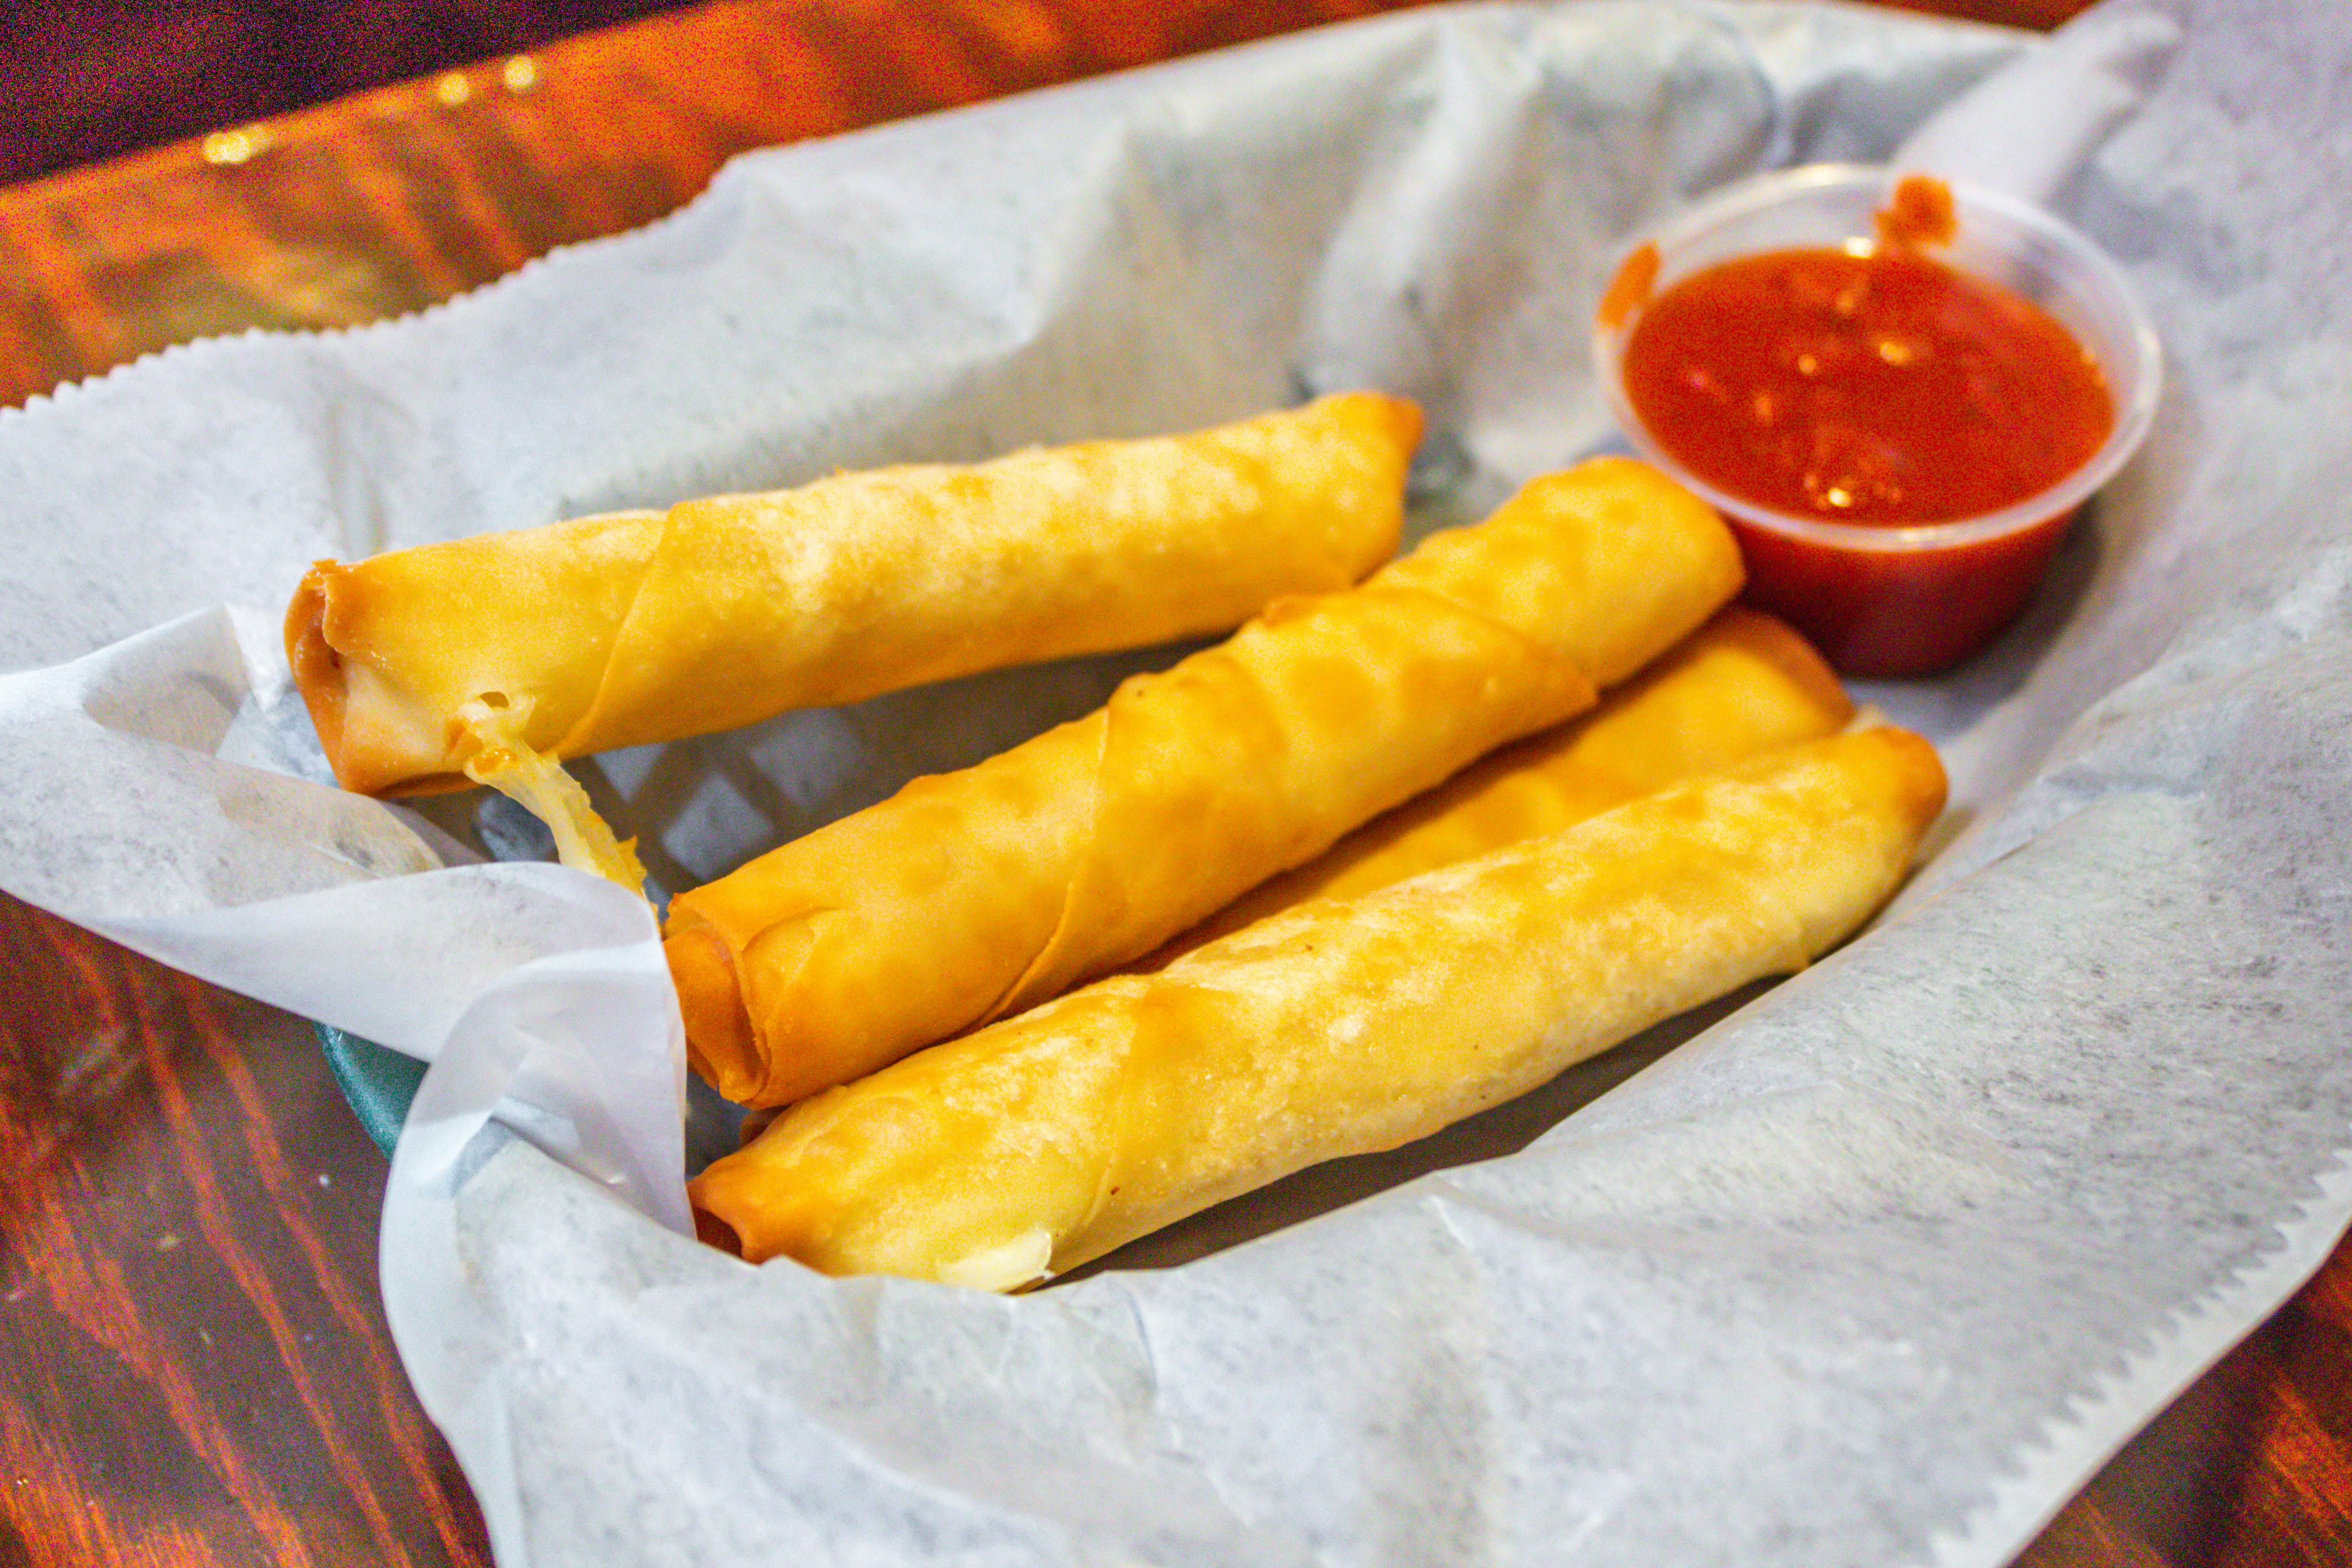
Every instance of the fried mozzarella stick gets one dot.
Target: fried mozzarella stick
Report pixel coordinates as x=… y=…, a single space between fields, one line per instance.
x=611 y=631
x=1744 y=683
x=1341 y=1027
x=973 y=894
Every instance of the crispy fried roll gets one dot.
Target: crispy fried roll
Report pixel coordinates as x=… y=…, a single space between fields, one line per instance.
x=975 y=894
x=1341 y=1027
x=611 y=631
x=1743 y=683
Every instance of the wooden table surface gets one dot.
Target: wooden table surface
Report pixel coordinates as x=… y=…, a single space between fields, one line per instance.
x=194 y=1363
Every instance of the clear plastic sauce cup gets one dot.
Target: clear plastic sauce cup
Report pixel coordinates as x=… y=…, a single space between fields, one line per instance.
x=1893 y=599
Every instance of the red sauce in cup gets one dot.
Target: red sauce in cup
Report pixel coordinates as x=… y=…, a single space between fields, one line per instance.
x=1879 y=388
x=1871 y=385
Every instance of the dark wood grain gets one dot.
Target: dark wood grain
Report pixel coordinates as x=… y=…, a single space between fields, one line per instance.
x=193 y=1366
x=197 y=1369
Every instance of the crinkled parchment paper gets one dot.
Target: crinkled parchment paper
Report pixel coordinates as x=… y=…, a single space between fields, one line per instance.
x=1873 y=1269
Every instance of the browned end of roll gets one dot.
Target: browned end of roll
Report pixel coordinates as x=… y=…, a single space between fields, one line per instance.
x=1772 y=639
x=1919 y=786
x=719 y=1043
x=318 y=668
x=1401 y=416
x=323 y=675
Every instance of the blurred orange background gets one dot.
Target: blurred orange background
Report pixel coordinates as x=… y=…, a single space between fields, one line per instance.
x=85 y=79
x=82 y=80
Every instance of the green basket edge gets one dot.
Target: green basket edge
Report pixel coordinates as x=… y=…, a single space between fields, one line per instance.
x=377 y=1081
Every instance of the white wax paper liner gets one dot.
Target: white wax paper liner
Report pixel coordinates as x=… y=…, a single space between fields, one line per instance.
x=1874 y=1269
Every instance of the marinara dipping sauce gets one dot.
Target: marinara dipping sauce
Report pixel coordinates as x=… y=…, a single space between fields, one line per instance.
x=1897 y=441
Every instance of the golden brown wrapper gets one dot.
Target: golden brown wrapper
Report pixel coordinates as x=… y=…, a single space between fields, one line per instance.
x=973 y=894
x=639 y=626
x=1341 y=1027
x=1743 y=683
